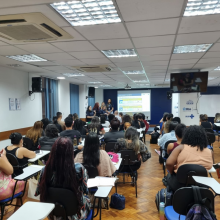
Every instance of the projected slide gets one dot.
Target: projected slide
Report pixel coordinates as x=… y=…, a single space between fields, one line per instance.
x=134 y=101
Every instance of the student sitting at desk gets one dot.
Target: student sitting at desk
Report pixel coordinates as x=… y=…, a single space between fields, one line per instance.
x=204 y=122
x=62 y=172
x=93 y=156
x=90 y=113
x=95 y=126
x=79 y=126
x=22 y=154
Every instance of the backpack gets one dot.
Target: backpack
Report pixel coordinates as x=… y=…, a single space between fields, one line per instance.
x=117 y=201
x=164 y=196
x=154 y=138
x=199 y=211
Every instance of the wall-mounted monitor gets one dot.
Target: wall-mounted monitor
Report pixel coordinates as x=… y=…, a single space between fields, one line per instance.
x=188 y=82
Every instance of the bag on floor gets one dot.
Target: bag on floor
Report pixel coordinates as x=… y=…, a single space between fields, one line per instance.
x=199 y=211
x=164 y=196
x=154 y=138
x=117 y=201
x=32 y=188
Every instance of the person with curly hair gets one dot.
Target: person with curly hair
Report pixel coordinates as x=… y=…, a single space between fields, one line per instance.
x=193 y=150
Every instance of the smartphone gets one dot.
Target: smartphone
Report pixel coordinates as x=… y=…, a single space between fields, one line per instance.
x=37 y=151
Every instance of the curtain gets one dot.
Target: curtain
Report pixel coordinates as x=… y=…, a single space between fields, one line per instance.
x=74 y=99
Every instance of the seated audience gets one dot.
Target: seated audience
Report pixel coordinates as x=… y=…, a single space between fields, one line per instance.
x=96 y=109
x=110 y=117
x=102 y=105
x=121 y=116
x=137 y=123
x=117 y=116
x=47 y=141
x=104 y=123
x=61 y=172
x=59 y=120
x=79 y=126
x=193 y=150
x=145 y=122
x=7 y=183
x=165 y=113
x=95 y=126
x=21 y=153
x=75 y=116
x=217 y=118
x=57 y=124
x=70 y=116
x=94 y=157
x=170 y=117
x=131 y=142
x=164 y=122
x=70 y=133
x=45 y=122
x=140 y=119
x=204 y=122
x=114 y=132
x=179 y=131
x=103 y=111
x=126 y=122
x=35 y=133
x=177 y=119
x=90 y=113
x=170 y=136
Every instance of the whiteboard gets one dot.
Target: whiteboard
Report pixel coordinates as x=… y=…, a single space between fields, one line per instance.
x=209 y=104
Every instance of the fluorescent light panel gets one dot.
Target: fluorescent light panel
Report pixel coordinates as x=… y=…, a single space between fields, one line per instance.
x=88 y=12
x=133 y=72
x=218 y=68
x=120 y=53
x=27 y=58
x=202 y=7
x=200 y=48
x=140 y=81
x=60 y=77
x=143 y=84
x=105 y=86
x=94 y=82
x=73 y=74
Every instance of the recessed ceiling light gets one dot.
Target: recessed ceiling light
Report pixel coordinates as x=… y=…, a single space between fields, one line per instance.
x=14 y=65
x=105 y=86
x=211 y=78
x=192 y=48
x=60 y=77
x=88 y=12
x=27 y=58
x=202 y=7
x=140 y=81
x=218 y=68
x=94 y=82
x=134 y=72
x=96 y=87
x=73 y=74
x=120 y=53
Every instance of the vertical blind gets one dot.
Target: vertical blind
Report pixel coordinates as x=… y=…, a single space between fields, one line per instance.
x=74 y=99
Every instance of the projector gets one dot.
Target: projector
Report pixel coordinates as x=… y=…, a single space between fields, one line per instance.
x=127 y=87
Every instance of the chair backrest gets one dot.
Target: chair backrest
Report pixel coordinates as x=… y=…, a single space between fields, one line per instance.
x=92 y=171
x=164 y=151
x=209 y=130
x=65 y=202
x=28 y=143
x=186 y=171
x=109 y=147
x=13 y=161
x=183 y=199
x=128 y=157
x=210 y=137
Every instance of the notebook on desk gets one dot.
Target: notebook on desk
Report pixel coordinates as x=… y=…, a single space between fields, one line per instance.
x=101 y=181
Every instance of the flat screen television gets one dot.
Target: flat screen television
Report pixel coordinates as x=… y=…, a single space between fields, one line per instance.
x=188 y=82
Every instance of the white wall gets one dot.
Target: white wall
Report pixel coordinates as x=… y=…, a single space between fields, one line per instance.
x=175 y=104
x=99 y=96
x=64 y=97
x=15 y=84
x=83 y=102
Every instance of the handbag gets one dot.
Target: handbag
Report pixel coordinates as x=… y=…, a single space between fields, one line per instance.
x=32 y=188
x=113 y=157
x=145 y=156
x=117 y=201
x=164 y=196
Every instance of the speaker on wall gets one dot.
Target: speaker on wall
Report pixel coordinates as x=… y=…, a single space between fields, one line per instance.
x=91 y=92
x=37 y=84
x=169 y=95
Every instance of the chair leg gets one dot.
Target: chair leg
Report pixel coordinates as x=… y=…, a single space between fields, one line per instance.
x=123 y=178
x=136 y=187
x=2 y=211
x=116 y=187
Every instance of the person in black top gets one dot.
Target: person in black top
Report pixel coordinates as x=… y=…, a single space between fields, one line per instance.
x=126 y=122
x=90 y=114
x=136 y=123
x=47 y=141
x=78 y=126
x=110 y=117
x=69 y=132
x=45 y=122
x=114 y=132
x=57 y=124
x=204 y=122
x=110 y=107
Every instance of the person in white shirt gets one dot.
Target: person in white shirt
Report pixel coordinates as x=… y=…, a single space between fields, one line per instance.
x=117 y=116
x=103 y=121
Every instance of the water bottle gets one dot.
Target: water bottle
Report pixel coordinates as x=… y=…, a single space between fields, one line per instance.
x=162 y=205
x=74 y=141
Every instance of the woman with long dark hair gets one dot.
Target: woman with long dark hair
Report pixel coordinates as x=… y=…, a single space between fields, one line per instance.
x=90 y=113
x=78 y=126
x=60 y=171
x=94 y=157
x=126 y=122
x=96 y=109
x=110 y=107
x=95 y=126
x=57 y=124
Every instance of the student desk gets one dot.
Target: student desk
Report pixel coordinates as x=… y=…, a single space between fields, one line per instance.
x=38 y=156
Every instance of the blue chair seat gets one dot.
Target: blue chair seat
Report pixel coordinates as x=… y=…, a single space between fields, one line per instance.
x=8 y=199
x=89 y=217
x=172 y=215
x=93 y=190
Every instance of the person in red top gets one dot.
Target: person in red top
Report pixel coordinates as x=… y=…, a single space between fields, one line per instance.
x=145 y=122
x=179 y=131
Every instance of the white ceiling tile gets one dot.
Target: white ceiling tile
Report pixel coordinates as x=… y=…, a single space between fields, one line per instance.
x=187 y=56
x=55 y=56
x=11 y=50
x=153 y=27
x=201 y=24
x=165 y=57
x=69 y=62
x=57 y=68
x=197 y=38
x=154 y=63
x=3 y=43
x=181 y=66
x=190 y=61
x=212 y=54
x=44 y=63
x=74 y=46
x=156 y=41
x=96 y=61
x=124 y=59
x=209 y=60
x=113 y=44
x=87 y=54
x=130 y=64
x=131 y=68
x=149 y=68
x=206 y=65
x=103 y=31
x=215 y=47
x=136 y=10
x=152 y=51
x=39 y=48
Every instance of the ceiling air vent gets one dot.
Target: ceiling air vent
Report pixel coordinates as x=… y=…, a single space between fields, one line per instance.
x=93 y=69
x=30 y=27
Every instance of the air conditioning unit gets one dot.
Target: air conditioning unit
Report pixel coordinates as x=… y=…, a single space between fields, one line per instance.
x=30 y=27
x=93 y=69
